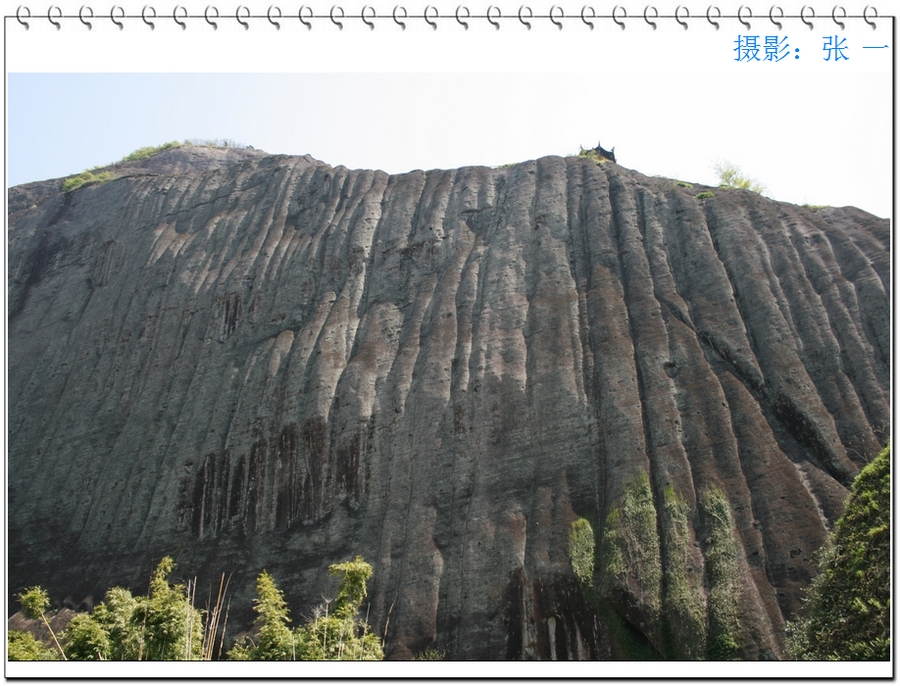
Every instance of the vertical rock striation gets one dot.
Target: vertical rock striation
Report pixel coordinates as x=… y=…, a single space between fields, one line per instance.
x=281 y=364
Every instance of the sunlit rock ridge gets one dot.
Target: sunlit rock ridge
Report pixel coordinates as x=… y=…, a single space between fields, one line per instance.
x=257 y=361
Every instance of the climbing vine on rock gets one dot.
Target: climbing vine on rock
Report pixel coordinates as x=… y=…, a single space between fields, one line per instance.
x=630 y=545
x=721 y=574
x=684 y=602
x=581 y=552
x=657 y=593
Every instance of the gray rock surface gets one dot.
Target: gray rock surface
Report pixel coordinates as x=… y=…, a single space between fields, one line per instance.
x=279 y=364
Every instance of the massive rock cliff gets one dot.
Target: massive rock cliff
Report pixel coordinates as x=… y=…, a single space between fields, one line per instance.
x=267 y=362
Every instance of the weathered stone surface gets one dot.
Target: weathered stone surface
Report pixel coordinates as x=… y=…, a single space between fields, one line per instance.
x=279 y=364
x=185 y=158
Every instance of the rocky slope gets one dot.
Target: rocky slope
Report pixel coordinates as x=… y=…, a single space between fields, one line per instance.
x=181 y=159
x=279 y=364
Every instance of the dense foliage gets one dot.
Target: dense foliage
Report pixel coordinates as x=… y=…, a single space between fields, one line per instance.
x=849 y=602
x=165 y=625
x=274 y=641
x=171 y=629
x=332 y=634
x=23 y=646
x=162 y=626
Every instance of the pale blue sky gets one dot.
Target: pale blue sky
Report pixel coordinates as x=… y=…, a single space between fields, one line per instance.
x=816 y=138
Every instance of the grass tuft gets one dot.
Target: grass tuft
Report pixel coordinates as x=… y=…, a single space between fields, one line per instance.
x=86 y=178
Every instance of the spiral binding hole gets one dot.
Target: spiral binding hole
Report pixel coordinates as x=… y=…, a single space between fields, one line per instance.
x=525 y=17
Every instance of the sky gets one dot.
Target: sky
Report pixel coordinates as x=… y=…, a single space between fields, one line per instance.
x=800 y=141
x=673 y=102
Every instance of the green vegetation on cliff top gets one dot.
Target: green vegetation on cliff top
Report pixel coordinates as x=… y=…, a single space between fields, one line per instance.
x=89 y=177
x=731 y=176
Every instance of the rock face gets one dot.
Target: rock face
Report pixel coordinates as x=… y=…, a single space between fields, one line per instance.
x=277 y=364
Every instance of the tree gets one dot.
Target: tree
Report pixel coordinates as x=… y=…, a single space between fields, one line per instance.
x=352 y=590
x=162 y=626
x=275 y=640
x=21 y=645
x=731 y=176
x=165 y=625
x=114 y=616
x=849 y=603
x=34 y=602
x=332 y=634
x=171 y=629
x=342 y=636
x=86 y=639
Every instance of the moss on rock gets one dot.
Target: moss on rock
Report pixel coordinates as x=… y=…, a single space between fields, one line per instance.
x=684 y=603
x=721 y=575
x=581 y=552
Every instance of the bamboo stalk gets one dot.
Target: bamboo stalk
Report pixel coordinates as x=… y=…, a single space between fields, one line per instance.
x=224 y=626
x=53 y=635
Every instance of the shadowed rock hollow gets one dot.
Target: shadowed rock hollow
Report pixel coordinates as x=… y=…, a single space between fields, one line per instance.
x=273 y=363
